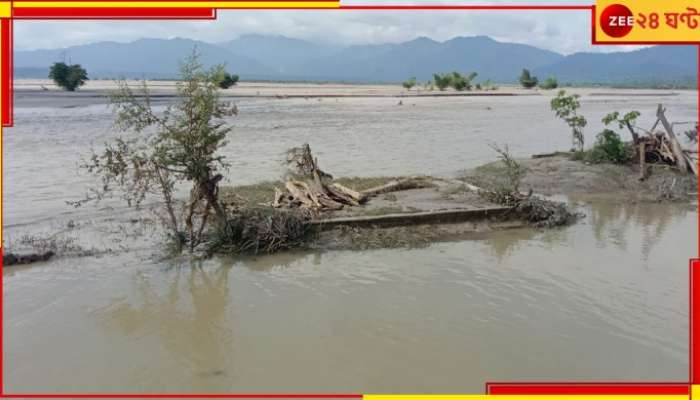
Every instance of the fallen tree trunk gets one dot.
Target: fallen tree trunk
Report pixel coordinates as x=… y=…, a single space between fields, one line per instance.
x=394 y=186
x=357 y=196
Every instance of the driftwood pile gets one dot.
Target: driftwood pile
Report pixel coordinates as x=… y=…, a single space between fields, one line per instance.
x=312 y=189
x=662 y=147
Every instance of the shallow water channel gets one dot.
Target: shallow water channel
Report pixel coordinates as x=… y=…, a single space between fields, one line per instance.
x=605 y=299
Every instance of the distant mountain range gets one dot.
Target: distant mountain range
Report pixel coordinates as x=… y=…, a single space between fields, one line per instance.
x=260 y=57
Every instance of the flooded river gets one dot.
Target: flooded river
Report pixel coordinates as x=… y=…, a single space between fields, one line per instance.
x=605 y=299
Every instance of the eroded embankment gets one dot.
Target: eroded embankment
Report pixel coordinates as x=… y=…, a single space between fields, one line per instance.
x=560 y=175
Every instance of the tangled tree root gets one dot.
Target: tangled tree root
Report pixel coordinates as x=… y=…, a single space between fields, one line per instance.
x=261 y=231
x=545 y=213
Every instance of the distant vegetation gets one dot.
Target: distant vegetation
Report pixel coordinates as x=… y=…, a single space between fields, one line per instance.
x=455 y=80
x=528 y=80
x=68 y=77
x=549 y=83
x=224 y=79
x=408 y=84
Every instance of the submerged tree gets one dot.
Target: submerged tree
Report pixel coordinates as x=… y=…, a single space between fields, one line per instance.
x=68 y=77
x=179 y=145
x=566 y=108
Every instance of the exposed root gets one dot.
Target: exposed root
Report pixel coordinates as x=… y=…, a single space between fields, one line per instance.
x=545 y=213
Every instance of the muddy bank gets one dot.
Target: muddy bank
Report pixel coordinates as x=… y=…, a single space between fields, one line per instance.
x=430 y=210
x=11 y=259
x=559 y=175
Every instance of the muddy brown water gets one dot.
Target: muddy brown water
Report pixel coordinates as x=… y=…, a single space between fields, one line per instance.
x=605 y=299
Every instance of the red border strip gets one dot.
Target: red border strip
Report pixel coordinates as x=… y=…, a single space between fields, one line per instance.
x=113 y=13
x=694 y=335
x=7 y=71
x=682 y=389
x=564 y=388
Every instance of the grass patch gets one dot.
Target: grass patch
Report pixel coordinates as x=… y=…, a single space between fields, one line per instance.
x=250 y=195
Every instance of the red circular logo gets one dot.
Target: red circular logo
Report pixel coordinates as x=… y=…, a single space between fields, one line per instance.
x=616 y=20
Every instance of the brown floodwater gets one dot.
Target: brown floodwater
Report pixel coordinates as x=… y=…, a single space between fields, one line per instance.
x=604 y=299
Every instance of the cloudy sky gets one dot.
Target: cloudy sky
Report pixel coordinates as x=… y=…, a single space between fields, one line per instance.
x=562 y=31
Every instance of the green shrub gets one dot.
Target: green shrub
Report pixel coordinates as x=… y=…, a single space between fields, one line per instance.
x=550 y=83
x=68 y=77
x=609 y=147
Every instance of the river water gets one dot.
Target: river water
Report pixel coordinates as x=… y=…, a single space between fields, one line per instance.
x=605 y=299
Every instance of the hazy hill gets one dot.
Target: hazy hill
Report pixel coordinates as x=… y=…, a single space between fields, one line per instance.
x=149 y=58
x=282 y=58
x=659 y=64
x=422 y=57
x=285 y=55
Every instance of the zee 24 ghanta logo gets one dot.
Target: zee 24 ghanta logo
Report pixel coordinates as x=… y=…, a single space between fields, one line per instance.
x=617 y=20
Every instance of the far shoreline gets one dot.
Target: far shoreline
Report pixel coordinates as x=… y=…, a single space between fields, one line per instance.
x=43 y=93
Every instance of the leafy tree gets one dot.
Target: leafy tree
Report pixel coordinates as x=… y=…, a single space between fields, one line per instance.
x=627 y=121
x=68 y=77
x=566 y=108
x=178 y=146
x=408 y=84
x=550 y=83
x=442 y=81
x=528 y=81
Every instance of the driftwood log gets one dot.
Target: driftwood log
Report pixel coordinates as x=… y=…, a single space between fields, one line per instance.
x=676 y=148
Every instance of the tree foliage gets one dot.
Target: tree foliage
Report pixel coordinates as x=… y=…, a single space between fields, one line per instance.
x=68 y=77
x=627 y=120
x=178 y=146
x=566 y=108
x=527 y=80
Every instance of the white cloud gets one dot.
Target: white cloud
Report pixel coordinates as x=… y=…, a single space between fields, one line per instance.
x=562 y=31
